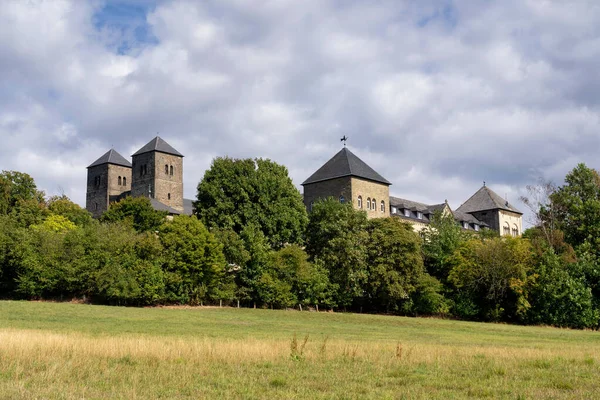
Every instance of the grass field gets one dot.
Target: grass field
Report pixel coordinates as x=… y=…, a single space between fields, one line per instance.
x=71 y=351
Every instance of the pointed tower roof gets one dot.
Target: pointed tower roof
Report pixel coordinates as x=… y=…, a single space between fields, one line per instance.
x=486 y=199
x=111 y=157
x=158 y=144
x=345 y=163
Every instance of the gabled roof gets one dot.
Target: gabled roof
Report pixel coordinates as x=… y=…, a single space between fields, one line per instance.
x=111 y=157
x=415 y=206
x=345 y=163
x=486 y=199
x=158 y=144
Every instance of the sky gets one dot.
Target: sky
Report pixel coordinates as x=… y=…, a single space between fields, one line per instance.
x=437 y=96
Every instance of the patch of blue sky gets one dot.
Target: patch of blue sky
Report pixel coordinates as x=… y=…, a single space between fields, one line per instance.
x=123 y=24
x=445 y=14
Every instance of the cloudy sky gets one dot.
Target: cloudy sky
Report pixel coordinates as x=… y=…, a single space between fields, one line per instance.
x=437 y=96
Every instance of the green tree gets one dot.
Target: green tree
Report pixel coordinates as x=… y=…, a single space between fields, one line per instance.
x=237 y=192
x=441 y=238
x=577 y=207
x=336 y=237
x=491 y=277
x=395 y=265
x=61 y=205
x=16 y=187
x=137 y=212
x=194 y=261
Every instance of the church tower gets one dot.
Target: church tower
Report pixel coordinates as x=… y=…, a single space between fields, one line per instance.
x=157 y=173
x=108 y=179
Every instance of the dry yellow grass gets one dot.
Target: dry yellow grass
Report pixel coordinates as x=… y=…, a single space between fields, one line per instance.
x=475 y=361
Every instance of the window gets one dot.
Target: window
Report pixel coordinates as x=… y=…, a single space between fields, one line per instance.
x=171 y=171
x=506 y=229
x=141 y=170
x=145 y=169
x=120 y=181
x=124 y=181
x=406 y=212
x=382 y=206
x=312 y=203
x=359 y=202
x=476 y=227
x=374 y=205
x=394 y=210
x=368 y=203
x=342 y=199
x=465 y=225
x=419 y=215
x=169 y=196
x=166 y=169
x=515 y=231
x=96 y=206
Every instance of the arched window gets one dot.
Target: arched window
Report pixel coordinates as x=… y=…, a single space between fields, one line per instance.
x=382 y=206
x=120 y=181
x=342 y=199
x=374 y=205
x=124 y=181
x=169 y=196
x=368 y=203
x=506 y=229
x=312 y=203
x=166 y=169
x=96 y=206
x=359 y=201
x=515 y=230
x=171 y=171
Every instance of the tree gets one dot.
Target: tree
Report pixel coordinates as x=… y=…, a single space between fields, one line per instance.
x=577 y=207
x=441 y=238
x=237 y=192
x=337 y=238
x=491 y=277
x=193 y=260
x=16 y=187
x=395 y=265
x=137 y=212
x=61 y=205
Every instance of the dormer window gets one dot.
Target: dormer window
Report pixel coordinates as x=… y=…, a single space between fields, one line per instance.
x=476 y=227
x=465 y=225
x=394 y=210
x=406 y=212
x=419 y=215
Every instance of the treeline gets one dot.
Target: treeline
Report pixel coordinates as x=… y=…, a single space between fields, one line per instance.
x=252 y=243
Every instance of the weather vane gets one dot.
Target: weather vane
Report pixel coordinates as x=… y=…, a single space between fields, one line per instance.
x=343 y=139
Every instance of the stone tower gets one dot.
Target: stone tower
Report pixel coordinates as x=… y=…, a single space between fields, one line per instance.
x=108 y=179
x=349 y=179
x=157 y=173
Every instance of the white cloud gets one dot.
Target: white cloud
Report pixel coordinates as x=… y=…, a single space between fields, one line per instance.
x=436 y=96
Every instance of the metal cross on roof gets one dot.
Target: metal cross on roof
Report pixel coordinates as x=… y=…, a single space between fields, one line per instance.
x=343 y=139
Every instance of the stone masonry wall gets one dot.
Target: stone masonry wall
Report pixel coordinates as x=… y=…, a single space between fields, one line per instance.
x=330 y=188
x=115 y=191
x=169 y=188
x=142 y=175
x=371 y=190
x=96 y=199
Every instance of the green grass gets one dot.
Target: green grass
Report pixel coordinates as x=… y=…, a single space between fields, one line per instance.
x=68 y=351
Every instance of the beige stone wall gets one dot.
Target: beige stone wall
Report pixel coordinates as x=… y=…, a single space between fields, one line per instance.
x=371 y=190
x=169 y=188
x=114 y=172
x=416 y=225
x=330 y=188
x=513 y=219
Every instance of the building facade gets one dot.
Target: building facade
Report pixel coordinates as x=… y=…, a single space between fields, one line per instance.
x=349 y=179
x=156 y=172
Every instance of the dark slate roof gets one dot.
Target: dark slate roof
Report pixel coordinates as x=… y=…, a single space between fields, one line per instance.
x=111 y=157
x=158 y=144
x=345 y=163
x=486 y=199
x=465 y=217
x=188 y=206
x=415 y=206
x=157 y=205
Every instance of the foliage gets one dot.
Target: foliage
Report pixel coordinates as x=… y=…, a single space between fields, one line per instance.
x=337 y=237
x=137 y=212
x=193 y=260
x=16 y=187
x=55 y=223
x=64 y=207
x=428 y=298
x=492 y=276
x=235 y=193
x=394 y=264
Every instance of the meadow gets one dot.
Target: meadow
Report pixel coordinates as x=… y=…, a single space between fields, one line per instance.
x=76 y=351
